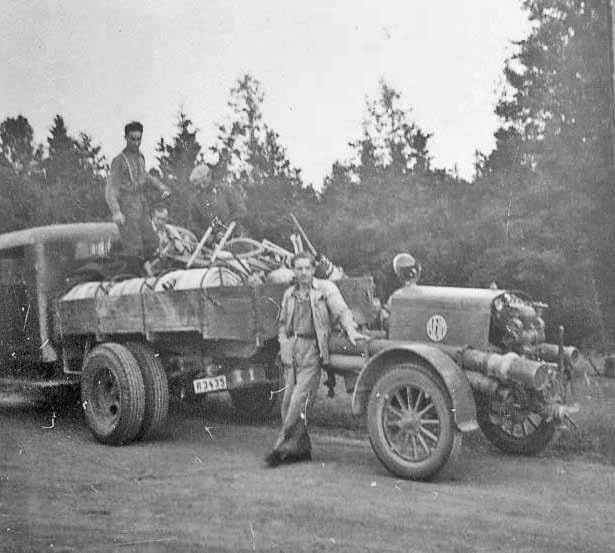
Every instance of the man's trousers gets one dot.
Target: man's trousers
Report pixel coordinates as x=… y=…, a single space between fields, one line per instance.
x=302 y=380
x=137 y=234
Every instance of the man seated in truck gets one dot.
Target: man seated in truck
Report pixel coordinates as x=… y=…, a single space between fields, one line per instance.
x=175 y=244
x=160 y=218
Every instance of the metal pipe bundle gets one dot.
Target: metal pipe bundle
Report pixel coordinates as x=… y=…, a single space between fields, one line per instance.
x=550 y=352
x=508 y=367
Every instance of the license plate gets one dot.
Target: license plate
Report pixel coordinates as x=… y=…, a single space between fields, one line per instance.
x=209 y=384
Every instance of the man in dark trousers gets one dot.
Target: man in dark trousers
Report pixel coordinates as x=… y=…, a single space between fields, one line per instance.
x=309 y=310
x=125 y=195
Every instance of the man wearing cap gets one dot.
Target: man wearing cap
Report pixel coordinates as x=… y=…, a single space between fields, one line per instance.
x=408 y=271
x=125 y=195
x=309 y=310
x=218 y=202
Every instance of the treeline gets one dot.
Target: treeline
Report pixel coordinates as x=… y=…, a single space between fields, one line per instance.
x=535 y=216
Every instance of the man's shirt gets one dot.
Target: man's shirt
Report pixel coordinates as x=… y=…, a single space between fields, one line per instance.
x=127 y=178
x=327 y=307
x=302 y=315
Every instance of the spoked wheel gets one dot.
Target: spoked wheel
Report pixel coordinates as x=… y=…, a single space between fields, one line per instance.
x=512 y=425
x=410 y=423
x=112 y=394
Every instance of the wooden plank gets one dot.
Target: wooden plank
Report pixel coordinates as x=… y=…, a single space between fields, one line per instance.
x=222 y=313
x=228 y=313
x=120 y=314
x=78 y=317
x=268 y=301
x=173 y=311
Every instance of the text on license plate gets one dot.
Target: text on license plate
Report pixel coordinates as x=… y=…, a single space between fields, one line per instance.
x=209 y=384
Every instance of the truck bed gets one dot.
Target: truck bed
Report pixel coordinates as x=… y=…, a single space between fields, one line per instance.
x=237 y=313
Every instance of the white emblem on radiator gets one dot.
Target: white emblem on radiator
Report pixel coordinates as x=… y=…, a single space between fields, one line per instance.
x=436 y=328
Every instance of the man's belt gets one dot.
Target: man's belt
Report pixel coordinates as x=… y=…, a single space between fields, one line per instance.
x=304 y=336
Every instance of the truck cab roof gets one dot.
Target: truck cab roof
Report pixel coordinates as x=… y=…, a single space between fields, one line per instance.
x=73 y=232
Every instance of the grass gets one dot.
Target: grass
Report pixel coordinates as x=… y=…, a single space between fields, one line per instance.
x=594 y=437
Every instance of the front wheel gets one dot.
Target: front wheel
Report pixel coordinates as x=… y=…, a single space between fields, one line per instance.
x=410 y=423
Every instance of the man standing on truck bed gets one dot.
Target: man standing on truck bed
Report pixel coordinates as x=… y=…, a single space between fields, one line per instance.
x=125 y=195
x=309 y=310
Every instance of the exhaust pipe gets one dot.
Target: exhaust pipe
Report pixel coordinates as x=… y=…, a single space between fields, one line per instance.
x=550 y=353
x=506 y=368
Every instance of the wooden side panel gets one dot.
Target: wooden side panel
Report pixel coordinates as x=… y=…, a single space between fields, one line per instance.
x=173 y=311
x=120 y=314
x=235 y=313
x=228 y=313
x=78 y=317
x=268 y=301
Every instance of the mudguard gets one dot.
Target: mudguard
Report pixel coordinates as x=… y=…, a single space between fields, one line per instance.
x=457 y=385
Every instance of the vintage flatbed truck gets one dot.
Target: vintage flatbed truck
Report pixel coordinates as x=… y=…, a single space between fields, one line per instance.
x=452 y=359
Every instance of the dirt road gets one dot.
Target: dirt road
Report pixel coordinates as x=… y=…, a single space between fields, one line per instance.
x=204 y=488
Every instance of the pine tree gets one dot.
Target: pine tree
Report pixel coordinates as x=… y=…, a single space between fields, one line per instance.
x=391 y=200
x=251 y=159
x=17 y=144
x=551 y=162
x=73 y=186
x=176 y=160
x=20 y=174
x=391 y=140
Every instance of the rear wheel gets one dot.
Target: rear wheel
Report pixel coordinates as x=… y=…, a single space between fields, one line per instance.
x=156 y=391
x=410 y=423
x=112 y=394
x=512 y=424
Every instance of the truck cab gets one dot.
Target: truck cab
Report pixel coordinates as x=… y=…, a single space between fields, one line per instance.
x=35 y=269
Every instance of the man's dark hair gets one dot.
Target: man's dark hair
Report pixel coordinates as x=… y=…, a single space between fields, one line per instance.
x=133 y=126
x=304 y=255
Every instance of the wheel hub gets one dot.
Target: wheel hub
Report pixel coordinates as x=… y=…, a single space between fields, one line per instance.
x=106 y=396
x=410 y=422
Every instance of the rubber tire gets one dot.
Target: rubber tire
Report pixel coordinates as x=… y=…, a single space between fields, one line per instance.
x=156 y=391
x=530 y=445
x=124 y=367
x=254 y=403
x=447 y=451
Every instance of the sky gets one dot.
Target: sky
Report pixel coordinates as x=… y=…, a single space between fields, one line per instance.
x=101 y=64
